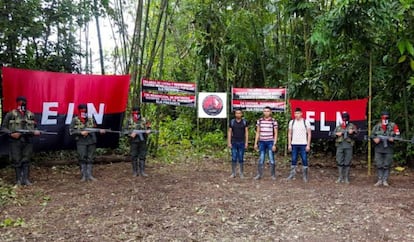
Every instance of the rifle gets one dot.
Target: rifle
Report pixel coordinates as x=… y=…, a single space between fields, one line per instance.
x=4 y=131
x=27 y=131
x=345 y=133
x=140 y=132
x=385 y=138
x=97 y=130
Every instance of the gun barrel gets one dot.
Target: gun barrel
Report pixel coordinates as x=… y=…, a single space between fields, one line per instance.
x=51 y=133
x=95 y=130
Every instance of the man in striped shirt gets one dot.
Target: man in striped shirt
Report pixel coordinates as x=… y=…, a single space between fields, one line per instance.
x=266 y=141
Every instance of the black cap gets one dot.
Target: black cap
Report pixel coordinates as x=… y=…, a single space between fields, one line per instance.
x=345 y=115
x=82 y=106
x=298 y=110
x=21 y=99
x=136 y=109
x=385 y=113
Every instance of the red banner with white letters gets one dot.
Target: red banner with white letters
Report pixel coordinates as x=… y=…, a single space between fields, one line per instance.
x=53 y=98
x=324 y=116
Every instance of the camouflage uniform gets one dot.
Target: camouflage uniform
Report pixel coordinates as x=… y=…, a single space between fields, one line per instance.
x=384 y=150
x=138 y=146
x=21 y=149
x=85 y=145
x=344 y=145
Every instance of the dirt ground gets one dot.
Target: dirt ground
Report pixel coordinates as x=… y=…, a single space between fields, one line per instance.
x=197 y=201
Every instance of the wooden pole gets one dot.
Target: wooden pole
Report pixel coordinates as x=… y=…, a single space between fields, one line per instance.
x=369 y=113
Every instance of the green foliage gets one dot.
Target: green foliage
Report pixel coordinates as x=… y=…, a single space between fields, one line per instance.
x=7 y=193
x=9 y=222
x=319 y=50
x=212 y=143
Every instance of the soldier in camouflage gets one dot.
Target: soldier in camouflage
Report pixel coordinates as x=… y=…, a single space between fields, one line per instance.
x=85 y=141
x=138 y=142
x=384 y=146
x=345 y=135
x=21 y=147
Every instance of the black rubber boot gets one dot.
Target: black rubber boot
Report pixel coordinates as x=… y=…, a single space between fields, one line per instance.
x=292 y=173
x=25 y=174
x=233 y=169
x=380 y=173
x=142 y=168
x=385 y=176
x=340 y=174
x=134 y=168
x=346 y=174
x=273 y=171
x=18 y=176
x=89 y=168
x=305 y=174
x=84 y=174
x=259 y=172
x=241 y=170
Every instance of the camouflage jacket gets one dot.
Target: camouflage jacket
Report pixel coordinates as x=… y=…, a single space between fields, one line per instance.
x=15 y=120
x=390 y=131
x=141 y=124
x=76 y=127
x=345 y=137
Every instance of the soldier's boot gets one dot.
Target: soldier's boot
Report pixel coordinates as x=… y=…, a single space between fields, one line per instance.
x=233 y=169
x=340 y=174
x=346 y=174
x=84 y=174
x=305 y=174
x=259 y=172
x=89 y=168
x=142 y=168
x=385 y=177
x=25 y=174
x=292 y=173
x=18 y=175
x=273 y=171
x=380 y=173
x=134 y=168
x=241 y=170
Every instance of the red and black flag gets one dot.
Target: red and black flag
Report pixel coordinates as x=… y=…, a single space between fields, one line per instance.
x=324 y=116
x=54 y=97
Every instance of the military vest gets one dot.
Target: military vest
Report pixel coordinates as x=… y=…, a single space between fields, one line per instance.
x=19 y=121
x=349 y=138
x=389 y=131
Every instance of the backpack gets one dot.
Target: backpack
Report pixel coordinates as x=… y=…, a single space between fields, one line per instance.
x=304 y=123
x=293 y=122
x=232 y=122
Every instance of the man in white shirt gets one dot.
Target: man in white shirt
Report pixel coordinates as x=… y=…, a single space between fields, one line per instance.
x=299 y=139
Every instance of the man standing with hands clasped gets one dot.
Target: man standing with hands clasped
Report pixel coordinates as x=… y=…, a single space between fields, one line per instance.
x=266 y=141
x=237 y=140
x=299 y=140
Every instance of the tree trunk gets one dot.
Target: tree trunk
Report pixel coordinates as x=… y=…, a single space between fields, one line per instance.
x=98 y=30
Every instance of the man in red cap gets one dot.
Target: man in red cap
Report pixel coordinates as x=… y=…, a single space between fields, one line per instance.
x=21 y=147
